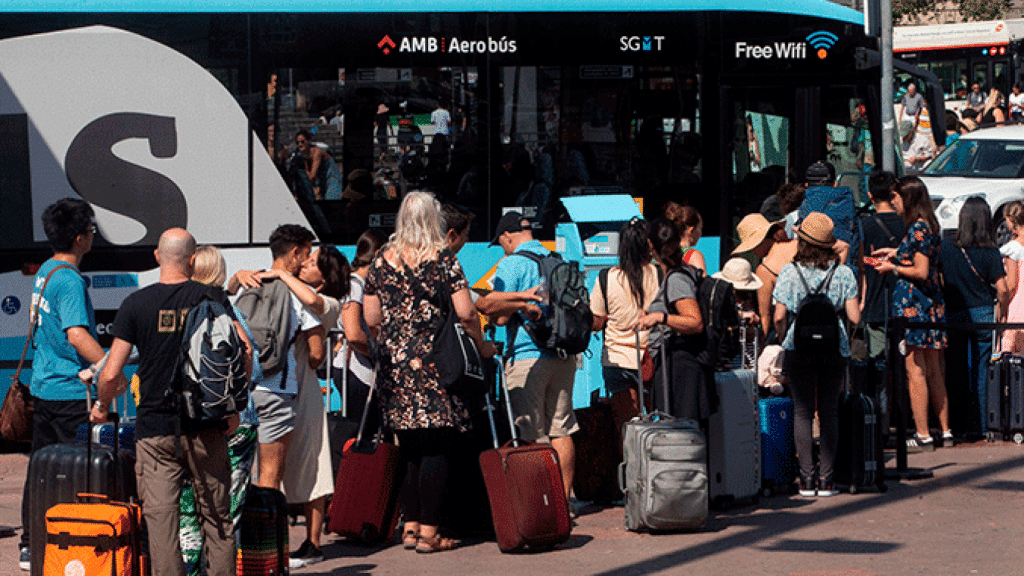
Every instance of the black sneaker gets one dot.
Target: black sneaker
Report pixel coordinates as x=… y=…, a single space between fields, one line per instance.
x=25 y=560
x=826 y=489
x=306 y=555
x=807 y=488
x=916 y=444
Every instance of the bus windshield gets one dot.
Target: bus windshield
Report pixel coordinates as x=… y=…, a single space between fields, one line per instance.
x=980 y=159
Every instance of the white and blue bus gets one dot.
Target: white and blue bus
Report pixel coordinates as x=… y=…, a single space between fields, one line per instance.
x=185 y=113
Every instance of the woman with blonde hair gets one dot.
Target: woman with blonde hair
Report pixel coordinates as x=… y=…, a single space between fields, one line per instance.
x=209 y=268
x=1013 y=254
x=401 y=304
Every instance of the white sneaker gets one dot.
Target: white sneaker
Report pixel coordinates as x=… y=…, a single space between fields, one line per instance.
x=25 y=560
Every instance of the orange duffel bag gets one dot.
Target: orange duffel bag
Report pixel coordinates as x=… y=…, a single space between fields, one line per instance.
x=93 y=539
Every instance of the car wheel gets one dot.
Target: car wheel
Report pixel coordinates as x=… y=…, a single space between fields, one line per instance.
x=1003 y=234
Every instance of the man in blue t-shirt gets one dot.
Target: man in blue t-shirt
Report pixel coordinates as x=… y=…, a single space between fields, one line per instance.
x=64 y=339
x=539 y=381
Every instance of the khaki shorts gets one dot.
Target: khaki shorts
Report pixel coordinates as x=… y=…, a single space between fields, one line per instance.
x=541 y=393
x=276 y=414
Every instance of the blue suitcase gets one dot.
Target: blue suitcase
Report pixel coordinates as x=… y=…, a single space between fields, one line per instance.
x=778 y=452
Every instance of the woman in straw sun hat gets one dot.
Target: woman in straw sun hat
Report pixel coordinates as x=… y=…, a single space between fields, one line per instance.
x=815 y=267
x=768 y=241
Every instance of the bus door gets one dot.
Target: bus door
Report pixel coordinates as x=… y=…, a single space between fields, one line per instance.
x=757 y=147
x=994 y=72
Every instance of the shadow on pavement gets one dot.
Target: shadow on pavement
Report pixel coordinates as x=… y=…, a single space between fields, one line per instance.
x=763 y=527
x=832 y=546
x=1003 y=485
x=354 y=570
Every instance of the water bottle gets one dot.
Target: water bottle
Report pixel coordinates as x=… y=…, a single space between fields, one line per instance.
x=542 y=293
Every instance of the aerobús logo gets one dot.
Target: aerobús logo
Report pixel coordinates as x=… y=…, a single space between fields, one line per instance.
x=432 y=44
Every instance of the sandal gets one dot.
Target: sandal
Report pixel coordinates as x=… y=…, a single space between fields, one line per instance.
x=410 y=539
x=428 y=545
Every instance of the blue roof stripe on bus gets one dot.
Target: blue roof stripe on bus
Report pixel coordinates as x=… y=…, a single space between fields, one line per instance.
x=820 y=8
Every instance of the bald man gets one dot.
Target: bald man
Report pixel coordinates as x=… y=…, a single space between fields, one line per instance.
x=152 y=320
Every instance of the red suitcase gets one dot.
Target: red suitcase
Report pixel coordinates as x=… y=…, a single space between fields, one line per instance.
x=524 y=487
x=365 y=501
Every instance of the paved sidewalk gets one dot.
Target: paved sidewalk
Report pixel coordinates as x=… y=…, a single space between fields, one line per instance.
x=965 y=520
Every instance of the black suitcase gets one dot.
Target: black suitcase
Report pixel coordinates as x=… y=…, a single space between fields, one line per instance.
x=596 y=478
x=860 y=458
x=60 y=472
x=1005 y=403
x=263 y=533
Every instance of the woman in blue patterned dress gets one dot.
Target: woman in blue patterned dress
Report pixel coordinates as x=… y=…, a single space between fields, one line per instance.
x=918 y=297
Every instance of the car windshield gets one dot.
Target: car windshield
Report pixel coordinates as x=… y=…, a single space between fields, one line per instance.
x=980 y=159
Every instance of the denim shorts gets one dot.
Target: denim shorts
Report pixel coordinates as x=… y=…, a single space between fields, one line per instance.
x=618 y=379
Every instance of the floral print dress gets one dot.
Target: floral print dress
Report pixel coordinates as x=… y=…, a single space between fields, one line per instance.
x=920 y=301
x=410 y=396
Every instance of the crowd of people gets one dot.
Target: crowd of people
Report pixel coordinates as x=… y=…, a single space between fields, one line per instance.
x=383 y=309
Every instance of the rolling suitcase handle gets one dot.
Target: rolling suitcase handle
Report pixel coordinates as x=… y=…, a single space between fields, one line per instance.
x=508 y=405
x=640 y=376
x=366 y=413
x=488 y=406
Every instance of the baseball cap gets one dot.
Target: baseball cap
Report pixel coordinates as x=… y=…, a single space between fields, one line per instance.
x=820 y=173
x=510 y=222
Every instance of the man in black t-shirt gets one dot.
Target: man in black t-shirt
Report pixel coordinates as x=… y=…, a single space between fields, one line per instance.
x=883 y=229
x=152 y=320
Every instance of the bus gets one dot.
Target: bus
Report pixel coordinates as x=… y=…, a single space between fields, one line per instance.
x=986 y=53
x=187 y=114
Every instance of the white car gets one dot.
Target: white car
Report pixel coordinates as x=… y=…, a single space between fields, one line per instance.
x=988 y=163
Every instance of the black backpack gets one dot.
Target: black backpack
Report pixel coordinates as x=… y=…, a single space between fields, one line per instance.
x=716 y=299
x=816 y=327
x=211 y=365
x=565 y=329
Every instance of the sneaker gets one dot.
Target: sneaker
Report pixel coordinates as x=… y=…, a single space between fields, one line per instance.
x=917 y=444
x=306 y=555
x=826 y=489
x=807 y=488
x=947 y=439
x=25 y=559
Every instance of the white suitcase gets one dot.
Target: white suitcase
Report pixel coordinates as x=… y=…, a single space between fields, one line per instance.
x=734 y=440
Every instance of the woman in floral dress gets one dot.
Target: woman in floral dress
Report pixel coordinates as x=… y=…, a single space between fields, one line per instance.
x=400 y=304
x=918 y=297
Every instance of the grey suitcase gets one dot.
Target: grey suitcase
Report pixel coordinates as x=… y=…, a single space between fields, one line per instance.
x=664 y=471
x=734 y=439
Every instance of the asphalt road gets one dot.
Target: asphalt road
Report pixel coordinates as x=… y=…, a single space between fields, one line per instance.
x=967 y=519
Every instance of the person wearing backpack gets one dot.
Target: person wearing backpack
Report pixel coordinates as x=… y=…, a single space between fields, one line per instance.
x=540 y=380
x=677 y=330
x=813 y=292
x=153 y=320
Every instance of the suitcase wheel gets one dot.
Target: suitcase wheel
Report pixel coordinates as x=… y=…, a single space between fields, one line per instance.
x=1018 y=437
x=853 y=488
x=767 y=492
x=883 y=487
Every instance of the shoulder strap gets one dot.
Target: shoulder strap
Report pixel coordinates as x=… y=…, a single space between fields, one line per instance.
x=33 y=319
x=800 y=275
x=531 y=255
x=971 y=265
x=881 y=224
x=602 y=280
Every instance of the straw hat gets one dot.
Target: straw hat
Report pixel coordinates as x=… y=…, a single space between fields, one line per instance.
x=816 y=229
x=753 y=229
x=738 y=273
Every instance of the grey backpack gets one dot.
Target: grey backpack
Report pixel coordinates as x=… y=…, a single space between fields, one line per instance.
x=267 y=311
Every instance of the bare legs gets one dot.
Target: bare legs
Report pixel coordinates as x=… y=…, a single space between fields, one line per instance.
x=272 y=462
x=927 y=384
x=566 y=450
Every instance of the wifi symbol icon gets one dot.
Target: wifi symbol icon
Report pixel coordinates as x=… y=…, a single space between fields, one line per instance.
x=822 y=40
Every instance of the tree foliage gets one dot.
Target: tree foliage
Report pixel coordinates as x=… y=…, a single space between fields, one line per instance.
x=970 y=10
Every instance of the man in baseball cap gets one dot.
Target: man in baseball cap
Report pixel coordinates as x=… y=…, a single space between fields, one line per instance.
x=512 y=222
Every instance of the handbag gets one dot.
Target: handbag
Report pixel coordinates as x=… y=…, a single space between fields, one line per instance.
x=460 y=368
x=17 y=410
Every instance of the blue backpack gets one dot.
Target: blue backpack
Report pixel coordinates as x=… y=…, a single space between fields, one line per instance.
x=836 y=202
